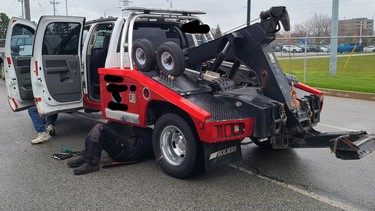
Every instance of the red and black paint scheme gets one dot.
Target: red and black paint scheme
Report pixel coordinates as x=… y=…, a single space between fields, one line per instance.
x=248 y=96
x=131 y=97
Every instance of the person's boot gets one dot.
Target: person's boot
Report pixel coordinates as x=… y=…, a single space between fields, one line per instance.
x=86 y=168
x=76 y=161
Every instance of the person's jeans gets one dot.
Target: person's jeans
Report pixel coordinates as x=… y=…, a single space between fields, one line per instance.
x=102 y=137
x=38 y=120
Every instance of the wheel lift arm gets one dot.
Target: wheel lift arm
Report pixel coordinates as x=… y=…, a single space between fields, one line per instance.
x=346 y=145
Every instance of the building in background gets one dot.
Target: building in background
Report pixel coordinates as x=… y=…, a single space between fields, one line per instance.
x=356 y=27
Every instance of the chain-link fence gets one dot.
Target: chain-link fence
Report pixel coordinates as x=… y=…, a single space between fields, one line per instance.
x=311 y=60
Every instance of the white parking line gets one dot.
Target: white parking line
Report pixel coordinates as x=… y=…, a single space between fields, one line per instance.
x=294 y=188
x=335 y=127
x=342 y=128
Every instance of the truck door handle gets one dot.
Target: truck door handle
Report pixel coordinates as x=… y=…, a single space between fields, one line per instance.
x=64 y=79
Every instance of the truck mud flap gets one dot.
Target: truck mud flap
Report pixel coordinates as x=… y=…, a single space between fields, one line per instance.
x=219 y=154
x=348 y=148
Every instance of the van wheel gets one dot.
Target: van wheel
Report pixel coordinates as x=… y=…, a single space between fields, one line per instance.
x=144 y=55
x=170 y=59
x=175 y=146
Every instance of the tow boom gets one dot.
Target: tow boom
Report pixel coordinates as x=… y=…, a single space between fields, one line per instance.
x=250 y=47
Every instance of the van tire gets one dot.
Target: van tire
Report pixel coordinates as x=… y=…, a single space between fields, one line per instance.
x=144 y=55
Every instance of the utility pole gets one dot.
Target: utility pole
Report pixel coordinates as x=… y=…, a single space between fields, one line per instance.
x=248 y=12
x=27 y=9
x=54 y=2
x=360 y=33
x=125 y=3
x=66 y=7
x=334 y=38
x=23 y=7
x=170 y=3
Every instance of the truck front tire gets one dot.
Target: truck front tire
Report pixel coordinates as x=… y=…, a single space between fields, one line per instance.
x=175 y=146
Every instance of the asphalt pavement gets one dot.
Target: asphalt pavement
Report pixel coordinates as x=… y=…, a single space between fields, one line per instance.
x=295 y=179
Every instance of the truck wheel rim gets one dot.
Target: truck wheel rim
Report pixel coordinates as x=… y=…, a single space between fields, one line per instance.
x=173 y=145
x=140 y=56
x=167 y=61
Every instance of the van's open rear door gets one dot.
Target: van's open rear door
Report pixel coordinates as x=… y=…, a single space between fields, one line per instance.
x=56 y=67
x=18 y=45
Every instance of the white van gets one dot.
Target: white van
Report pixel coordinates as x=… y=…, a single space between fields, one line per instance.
x=61 y=75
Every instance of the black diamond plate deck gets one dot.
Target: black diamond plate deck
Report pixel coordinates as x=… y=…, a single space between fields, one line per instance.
x=218 y=109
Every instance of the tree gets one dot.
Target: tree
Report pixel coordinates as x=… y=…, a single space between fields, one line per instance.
x=61 y=29
x=317 y=26
x=4 y=20
x=299 y=30
x=217 y=32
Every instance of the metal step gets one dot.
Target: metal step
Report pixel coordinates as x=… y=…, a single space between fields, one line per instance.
x=94 y=116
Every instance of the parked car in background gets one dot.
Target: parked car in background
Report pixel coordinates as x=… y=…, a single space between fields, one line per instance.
x=2 y=56
x=312 y=48
x=2 y=62
x=344 y=47
x=370 y=48
x=323 y=48
x=22 y=45
x=276 y=48
x=302 y=46
x=292 y=48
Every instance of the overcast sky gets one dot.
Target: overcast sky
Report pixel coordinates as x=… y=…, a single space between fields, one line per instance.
x=226 y=13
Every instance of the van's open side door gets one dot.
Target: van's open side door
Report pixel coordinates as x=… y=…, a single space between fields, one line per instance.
x=56 y=67
x=18 y=45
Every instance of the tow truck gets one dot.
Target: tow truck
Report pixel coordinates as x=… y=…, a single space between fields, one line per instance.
x=202 y=96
